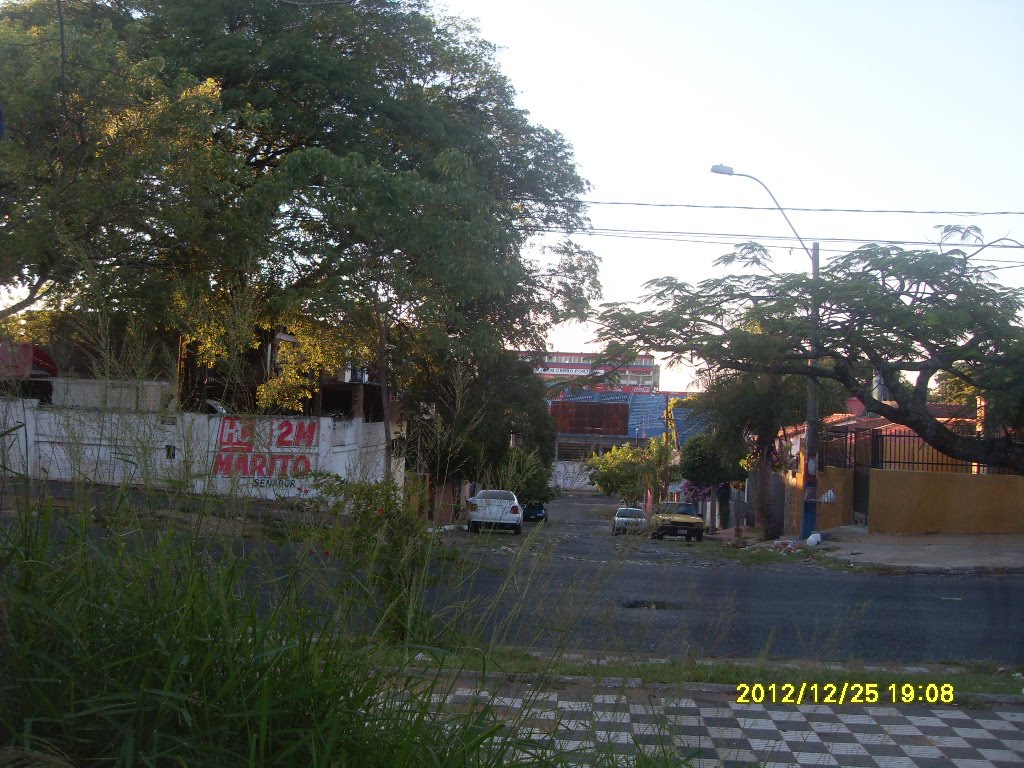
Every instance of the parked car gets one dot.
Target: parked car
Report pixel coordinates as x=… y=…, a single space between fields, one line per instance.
x=629 y=520
x=494 y=508
x=535 y=511
x=677 y=518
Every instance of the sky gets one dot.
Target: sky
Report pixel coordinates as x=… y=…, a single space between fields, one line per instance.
x=876 y=104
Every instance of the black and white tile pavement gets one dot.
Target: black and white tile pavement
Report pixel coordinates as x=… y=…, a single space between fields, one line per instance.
x=712 y=730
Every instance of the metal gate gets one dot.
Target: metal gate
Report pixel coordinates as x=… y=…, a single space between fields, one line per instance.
x=866 y=454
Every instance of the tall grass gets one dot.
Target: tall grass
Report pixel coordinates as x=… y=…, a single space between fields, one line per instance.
x=151 y=648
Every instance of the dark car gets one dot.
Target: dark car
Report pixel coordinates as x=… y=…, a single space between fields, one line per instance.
x=535 y=511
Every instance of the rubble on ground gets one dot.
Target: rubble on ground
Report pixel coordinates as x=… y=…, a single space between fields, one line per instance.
x=785 y=546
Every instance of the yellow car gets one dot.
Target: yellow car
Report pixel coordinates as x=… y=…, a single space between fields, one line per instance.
x=677 y=518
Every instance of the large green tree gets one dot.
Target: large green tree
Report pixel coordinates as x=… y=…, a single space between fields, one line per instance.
x=399 y=147
x=744 y=413
x=902 y=315
x=331 y=163
x=106 y=158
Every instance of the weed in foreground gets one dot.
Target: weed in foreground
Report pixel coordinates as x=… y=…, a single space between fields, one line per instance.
x=136 y=646
x=140 y=647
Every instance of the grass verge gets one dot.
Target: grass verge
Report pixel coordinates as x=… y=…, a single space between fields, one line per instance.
x=131 y=645
x=967 y=679
x=125 y=646
x=753 y=556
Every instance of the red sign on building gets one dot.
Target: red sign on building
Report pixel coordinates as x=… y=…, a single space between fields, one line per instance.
x=15 y=361
x=266 y=449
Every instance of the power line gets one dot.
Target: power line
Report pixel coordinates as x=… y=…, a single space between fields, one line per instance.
x=703 y=206
x=669 y=234
x=781 y=245
x=695 y=240
x=790 y=246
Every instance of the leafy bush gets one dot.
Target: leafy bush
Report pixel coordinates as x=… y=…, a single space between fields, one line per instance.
x=629 y=471
x=524 y=473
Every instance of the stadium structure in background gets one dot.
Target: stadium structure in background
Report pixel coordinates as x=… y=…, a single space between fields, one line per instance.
x=628 y=409
x=641 y=377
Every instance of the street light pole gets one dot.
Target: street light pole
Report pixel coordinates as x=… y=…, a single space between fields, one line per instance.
x=725 y=170
x=809 y=519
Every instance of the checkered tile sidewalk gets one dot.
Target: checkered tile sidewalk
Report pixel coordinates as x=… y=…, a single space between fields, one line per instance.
x=712 y=730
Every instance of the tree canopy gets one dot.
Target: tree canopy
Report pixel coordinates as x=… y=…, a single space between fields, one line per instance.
x=702 y=462
x=630 y=471
x=743 y=413
x=358 y=175
x=903 y=315
x=464 y=413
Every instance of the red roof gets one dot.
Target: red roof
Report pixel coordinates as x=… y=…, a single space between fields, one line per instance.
x=950 y=414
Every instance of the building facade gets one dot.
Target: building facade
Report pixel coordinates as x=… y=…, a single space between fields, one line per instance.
x=641 y=376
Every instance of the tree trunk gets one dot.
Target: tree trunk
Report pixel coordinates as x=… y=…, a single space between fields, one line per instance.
x=774 y=523
x=1005 y=451
x=318 y=396
x=191 y=379
x=724 y=504
x=761 y=473
x=385 y=393
x=771 y=528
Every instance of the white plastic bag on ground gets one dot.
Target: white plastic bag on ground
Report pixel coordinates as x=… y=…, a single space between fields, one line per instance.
x=814 y=539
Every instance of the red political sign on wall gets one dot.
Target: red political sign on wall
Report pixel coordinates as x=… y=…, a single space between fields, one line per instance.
x=15 y=361
x=266 y=448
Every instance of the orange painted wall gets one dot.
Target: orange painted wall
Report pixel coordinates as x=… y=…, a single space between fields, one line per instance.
x=839 y=512
x=830 y=515
x=942 y=502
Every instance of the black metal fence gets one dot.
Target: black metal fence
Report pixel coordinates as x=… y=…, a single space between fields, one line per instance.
x=891 y=448
x=836 y=447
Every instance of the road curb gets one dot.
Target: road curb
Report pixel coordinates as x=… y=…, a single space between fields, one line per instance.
x=996 y=698
x=924 y=570
x=541 y=681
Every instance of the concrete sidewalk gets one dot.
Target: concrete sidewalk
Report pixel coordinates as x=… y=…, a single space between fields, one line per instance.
x=939 y=552
x=595 y=722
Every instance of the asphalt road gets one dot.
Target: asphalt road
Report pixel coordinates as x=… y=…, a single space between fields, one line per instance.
x=569 y=583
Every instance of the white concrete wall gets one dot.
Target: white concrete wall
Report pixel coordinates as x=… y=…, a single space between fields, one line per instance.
x=571 y=476
x=126 y=395
x=264 y=457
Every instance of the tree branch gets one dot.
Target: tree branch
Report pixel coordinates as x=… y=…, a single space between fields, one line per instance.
x=36 y=293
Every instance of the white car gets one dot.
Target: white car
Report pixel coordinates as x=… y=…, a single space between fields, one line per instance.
x=629 y=520
x=498 y=509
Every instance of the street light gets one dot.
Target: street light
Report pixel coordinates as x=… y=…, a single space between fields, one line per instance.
x=810 y=516
x=725 y=170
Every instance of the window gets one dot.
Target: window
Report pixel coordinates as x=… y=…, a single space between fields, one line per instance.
x=500 y=495
x=630 y=512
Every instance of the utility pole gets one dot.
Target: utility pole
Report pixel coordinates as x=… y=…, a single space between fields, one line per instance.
x=809 y=521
